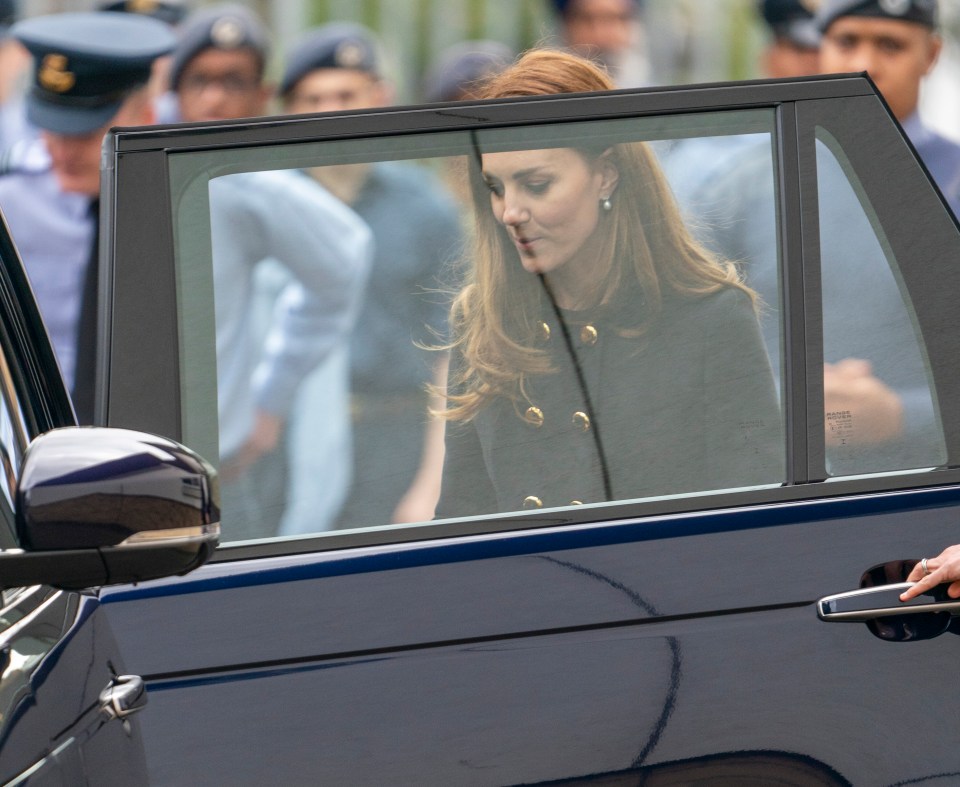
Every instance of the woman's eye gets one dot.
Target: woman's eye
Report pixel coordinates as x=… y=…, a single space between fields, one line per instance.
x=538 y=186
x=494 y=188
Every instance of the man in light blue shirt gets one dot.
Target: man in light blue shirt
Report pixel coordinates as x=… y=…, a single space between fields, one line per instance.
x=216 y=73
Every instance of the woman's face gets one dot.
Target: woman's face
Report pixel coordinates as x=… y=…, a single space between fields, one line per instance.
x=549 y=203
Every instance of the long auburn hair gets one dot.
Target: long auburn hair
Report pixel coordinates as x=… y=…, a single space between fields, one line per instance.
x=646 y=252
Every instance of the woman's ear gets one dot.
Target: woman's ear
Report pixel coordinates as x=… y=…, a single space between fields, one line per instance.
x=609 y=173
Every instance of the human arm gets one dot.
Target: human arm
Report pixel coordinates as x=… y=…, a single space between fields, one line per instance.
x=327 y=248
x=945 y=567
x=440 y=243
x=875 y=411
x=263 y=439
x=419 y=503
x=466 y=487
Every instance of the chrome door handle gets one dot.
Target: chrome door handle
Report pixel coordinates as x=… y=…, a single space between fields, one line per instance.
x=883 y=601
x=125 y=695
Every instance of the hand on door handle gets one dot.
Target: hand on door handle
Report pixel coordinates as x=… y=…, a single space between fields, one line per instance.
x=883 y=601
x=930 y=572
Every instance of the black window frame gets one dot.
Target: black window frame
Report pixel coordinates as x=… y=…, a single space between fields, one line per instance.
x=137 y=227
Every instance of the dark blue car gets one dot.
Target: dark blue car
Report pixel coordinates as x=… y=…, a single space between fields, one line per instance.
x=647 y=624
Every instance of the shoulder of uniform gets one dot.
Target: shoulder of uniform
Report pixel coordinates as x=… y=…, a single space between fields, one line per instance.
x=9 y=162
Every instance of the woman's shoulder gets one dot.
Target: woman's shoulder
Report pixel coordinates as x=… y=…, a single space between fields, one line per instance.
x=722 y=303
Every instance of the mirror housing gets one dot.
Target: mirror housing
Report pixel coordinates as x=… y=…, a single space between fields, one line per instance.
x=99 y=506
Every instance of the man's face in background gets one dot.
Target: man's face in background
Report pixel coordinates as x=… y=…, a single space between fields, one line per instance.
x=222 y=84
x=599 y=27
x=75 y=158
x=897 y=55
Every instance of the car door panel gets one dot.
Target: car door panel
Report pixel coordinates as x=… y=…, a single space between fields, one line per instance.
x=470 y=665
x=51 y=685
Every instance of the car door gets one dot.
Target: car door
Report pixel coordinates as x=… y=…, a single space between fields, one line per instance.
x=79 y=508
x=56 y=653
x=660 y=635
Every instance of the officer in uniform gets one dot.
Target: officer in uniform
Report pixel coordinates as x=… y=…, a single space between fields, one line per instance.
x=173 y=12
x=416 y=231
x=896 y=42
x=90 y=73
x=794 y=47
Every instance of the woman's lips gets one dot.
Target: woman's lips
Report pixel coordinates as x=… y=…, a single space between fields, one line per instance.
x=525 y=244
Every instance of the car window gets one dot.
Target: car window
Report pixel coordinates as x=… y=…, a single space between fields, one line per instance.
x=461 y=341
x=879 y=398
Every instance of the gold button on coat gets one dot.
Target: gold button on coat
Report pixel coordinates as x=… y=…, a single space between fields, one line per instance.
x=532 y=502
x=534 y=416
x=576 y=502
x=581 y=420
x=543 y=332
x=589 y=335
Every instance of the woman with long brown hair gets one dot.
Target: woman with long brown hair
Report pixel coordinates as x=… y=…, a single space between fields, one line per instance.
x=599 y=352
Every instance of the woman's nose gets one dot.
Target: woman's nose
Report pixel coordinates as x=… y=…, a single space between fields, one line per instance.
x=514 y=213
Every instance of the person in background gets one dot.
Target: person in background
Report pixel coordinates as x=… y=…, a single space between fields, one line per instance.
x=173 y=12
x=218 y=68
x=879 y=414
x=930 y=572
x=91 y=72
x=217 y=73
x=607 y=31
x=14 y=72
x=416 y=230
x=897 y=44
x=455 y=76
x=461 y=67
x=794 y=46
x=692 y=164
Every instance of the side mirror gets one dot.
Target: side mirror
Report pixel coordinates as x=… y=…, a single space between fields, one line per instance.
x=99 y=506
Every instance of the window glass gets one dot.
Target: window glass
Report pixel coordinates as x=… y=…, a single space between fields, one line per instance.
x=879 y=399
x=727 y=188
x=468 y=324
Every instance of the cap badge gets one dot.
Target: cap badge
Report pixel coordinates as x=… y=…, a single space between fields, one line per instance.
x=142 y=6
x=227 y=33
x=895 y=7
x=349 y=54
x=53 y=75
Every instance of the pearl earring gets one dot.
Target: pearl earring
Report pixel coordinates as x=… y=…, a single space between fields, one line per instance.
x=605 y=204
